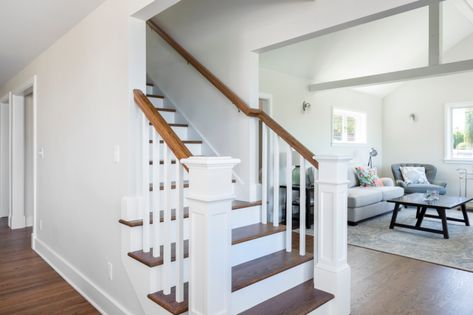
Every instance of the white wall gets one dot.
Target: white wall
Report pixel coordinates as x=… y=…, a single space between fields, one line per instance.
x=29 y=159
x=223 y=35
x=313 y=128
x=423 y=141
x=83 y=112
x=4 y=160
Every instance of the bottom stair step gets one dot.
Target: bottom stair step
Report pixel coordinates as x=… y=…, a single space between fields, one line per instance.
x=168 y=302
x=299 y=300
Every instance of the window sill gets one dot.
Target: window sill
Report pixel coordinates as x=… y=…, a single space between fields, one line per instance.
x=458 y=161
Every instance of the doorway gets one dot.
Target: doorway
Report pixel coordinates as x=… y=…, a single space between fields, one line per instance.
x=22 y=161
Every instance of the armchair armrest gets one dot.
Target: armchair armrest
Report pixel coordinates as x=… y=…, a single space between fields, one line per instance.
x=387 y=181
x=401 y=183
x=438 y=183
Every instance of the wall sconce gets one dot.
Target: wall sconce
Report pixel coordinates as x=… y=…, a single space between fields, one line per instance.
x=305 y=106
x=412 y=117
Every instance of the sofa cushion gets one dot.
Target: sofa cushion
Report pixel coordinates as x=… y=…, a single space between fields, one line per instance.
x=421 y=188
x=353 y=181
x=363 y=196
x=391 y=192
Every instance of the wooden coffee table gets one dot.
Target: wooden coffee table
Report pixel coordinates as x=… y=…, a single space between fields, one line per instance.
x=441 y=205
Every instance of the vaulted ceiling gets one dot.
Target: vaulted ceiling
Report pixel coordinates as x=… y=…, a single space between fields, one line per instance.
x=28 y=27
x=394 y=43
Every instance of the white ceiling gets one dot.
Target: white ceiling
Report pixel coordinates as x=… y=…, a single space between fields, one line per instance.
x=391 y=44
x=28 y=27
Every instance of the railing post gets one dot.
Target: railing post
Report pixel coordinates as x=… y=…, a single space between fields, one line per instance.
x=210 y=202
x=331 y=271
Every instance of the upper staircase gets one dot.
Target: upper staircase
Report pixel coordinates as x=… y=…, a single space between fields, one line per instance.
x=169 y=234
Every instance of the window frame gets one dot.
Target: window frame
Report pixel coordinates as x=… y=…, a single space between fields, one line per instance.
x=448 y=133
x=346 y=113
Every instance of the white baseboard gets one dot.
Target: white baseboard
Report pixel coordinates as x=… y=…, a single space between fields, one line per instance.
x=101 y=300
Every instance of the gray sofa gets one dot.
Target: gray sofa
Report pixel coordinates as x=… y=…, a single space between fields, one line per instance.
x=368 y=202
x=430 y=173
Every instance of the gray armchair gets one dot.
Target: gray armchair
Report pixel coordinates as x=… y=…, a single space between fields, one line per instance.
x=430 y=173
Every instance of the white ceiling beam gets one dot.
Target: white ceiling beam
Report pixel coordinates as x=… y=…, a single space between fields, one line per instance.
x=397 y=76
x=343 y=26
x=435 y=33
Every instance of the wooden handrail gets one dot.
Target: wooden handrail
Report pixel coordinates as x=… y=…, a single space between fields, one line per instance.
x=161 y=126
x=235 y=99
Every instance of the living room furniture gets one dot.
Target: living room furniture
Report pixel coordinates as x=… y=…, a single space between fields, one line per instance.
x=430 y=172
x=309 y=200
x=444 y=203
x=368 y=202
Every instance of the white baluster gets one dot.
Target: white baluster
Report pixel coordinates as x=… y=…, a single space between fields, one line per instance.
x=289 y=199
x=264 y=174
x=302 y=209
x=145 y=184
x=276 y=180
x=166 y=223
x=156 y=183
x=180 y=232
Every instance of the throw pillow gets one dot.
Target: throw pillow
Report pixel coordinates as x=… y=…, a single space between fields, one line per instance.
x=368 y=177
x=414 y=175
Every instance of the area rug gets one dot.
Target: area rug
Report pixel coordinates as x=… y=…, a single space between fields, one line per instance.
x=456 y=252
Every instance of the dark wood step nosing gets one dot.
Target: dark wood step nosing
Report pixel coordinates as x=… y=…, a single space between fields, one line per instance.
x=135 y=223
x=176 y=125
x=168 y=302
x=155 y=96
x=150 y=261
x=254 y=231
x=236 y=206
x=161 y=109
x=301 y=299
x=183 y=141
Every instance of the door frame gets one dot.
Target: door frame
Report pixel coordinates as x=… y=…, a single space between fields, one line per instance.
x=5 y=169
x=29 y=86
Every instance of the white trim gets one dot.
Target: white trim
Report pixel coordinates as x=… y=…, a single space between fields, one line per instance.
x=447 y=133
x=96 y=296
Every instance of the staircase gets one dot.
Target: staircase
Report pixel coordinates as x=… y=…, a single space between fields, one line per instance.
x=189 y=247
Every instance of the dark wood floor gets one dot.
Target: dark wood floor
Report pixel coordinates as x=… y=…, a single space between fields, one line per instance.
x=28 y=285
x=389 y=284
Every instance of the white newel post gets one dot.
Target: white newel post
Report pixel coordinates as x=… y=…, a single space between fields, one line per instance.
x=332 y=272
x=210 y=203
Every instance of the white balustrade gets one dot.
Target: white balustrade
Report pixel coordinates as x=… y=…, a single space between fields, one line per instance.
x=289 y=199
x=145 y=199
x=264 y=174
x=276 y=203
x=166 y=274
x=156 y=183
x=180 y=232
x=302 y=206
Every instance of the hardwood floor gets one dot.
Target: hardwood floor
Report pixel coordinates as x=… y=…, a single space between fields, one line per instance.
x=28 y=285
x=389 y=284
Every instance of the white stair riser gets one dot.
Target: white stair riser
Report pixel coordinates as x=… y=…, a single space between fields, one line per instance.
x=156 y=275
x=257 y=248
x=246 y=216
x=195 y=148
x=181 y=132
x=157 y=102
x=135 y=234
x=169 y=117
x=149 y=89
x=173 y=174
x=265 y=289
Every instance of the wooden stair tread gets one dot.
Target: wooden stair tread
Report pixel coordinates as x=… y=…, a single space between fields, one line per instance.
x=168 y=302
x=165 y=109
x=133 y=223
x=301 y=299
x=254 y=231
x=237 y=204
x=175 y=125
x=161 y=162
x=154 y=96
x=258 y=269
x=150 y=261
x=183 y=141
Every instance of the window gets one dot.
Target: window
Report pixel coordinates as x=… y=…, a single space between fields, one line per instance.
x=459 y=132
x=348 y=127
